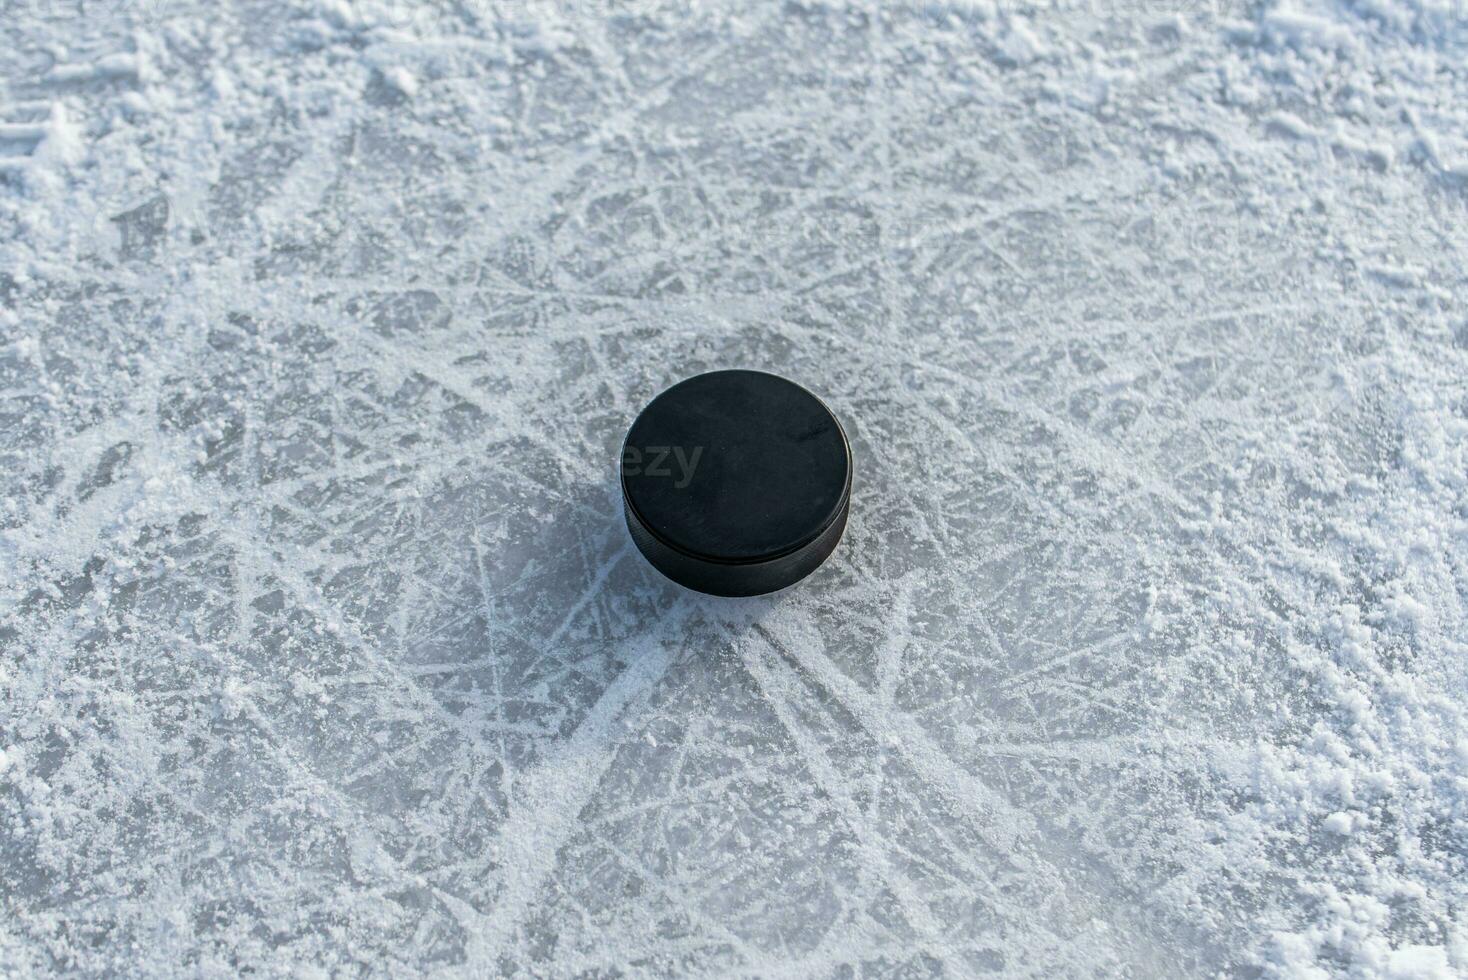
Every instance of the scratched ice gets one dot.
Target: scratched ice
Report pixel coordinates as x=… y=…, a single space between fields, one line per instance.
x=323 y=642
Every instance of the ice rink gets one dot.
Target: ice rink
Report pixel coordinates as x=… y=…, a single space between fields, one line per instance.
x=323 y=645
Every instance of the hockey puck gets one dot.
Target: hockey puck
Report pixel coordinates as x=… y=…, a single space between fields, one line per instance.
x=736 y=483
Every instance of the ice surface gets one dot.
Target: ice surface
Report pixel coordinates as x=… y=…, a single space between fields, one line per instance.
x=324 y=645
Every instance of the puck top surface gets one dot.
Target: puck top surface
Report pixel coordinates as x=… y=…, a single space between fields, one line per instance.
x=736 y=466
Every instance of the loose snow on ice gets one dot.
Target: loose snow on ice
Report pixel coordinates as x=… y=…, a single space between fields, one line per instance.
x=325 y=649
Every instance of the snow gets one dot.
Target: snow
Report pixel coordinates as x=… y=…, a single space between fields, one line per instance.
x=325 y=650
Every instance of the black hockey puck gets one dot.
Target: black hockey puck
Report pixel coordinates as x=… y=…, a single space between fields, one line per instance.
x=736 y=483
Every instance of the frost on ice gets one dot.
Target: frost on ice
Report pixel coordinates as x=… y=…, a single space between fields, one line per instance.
x=323 y=643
